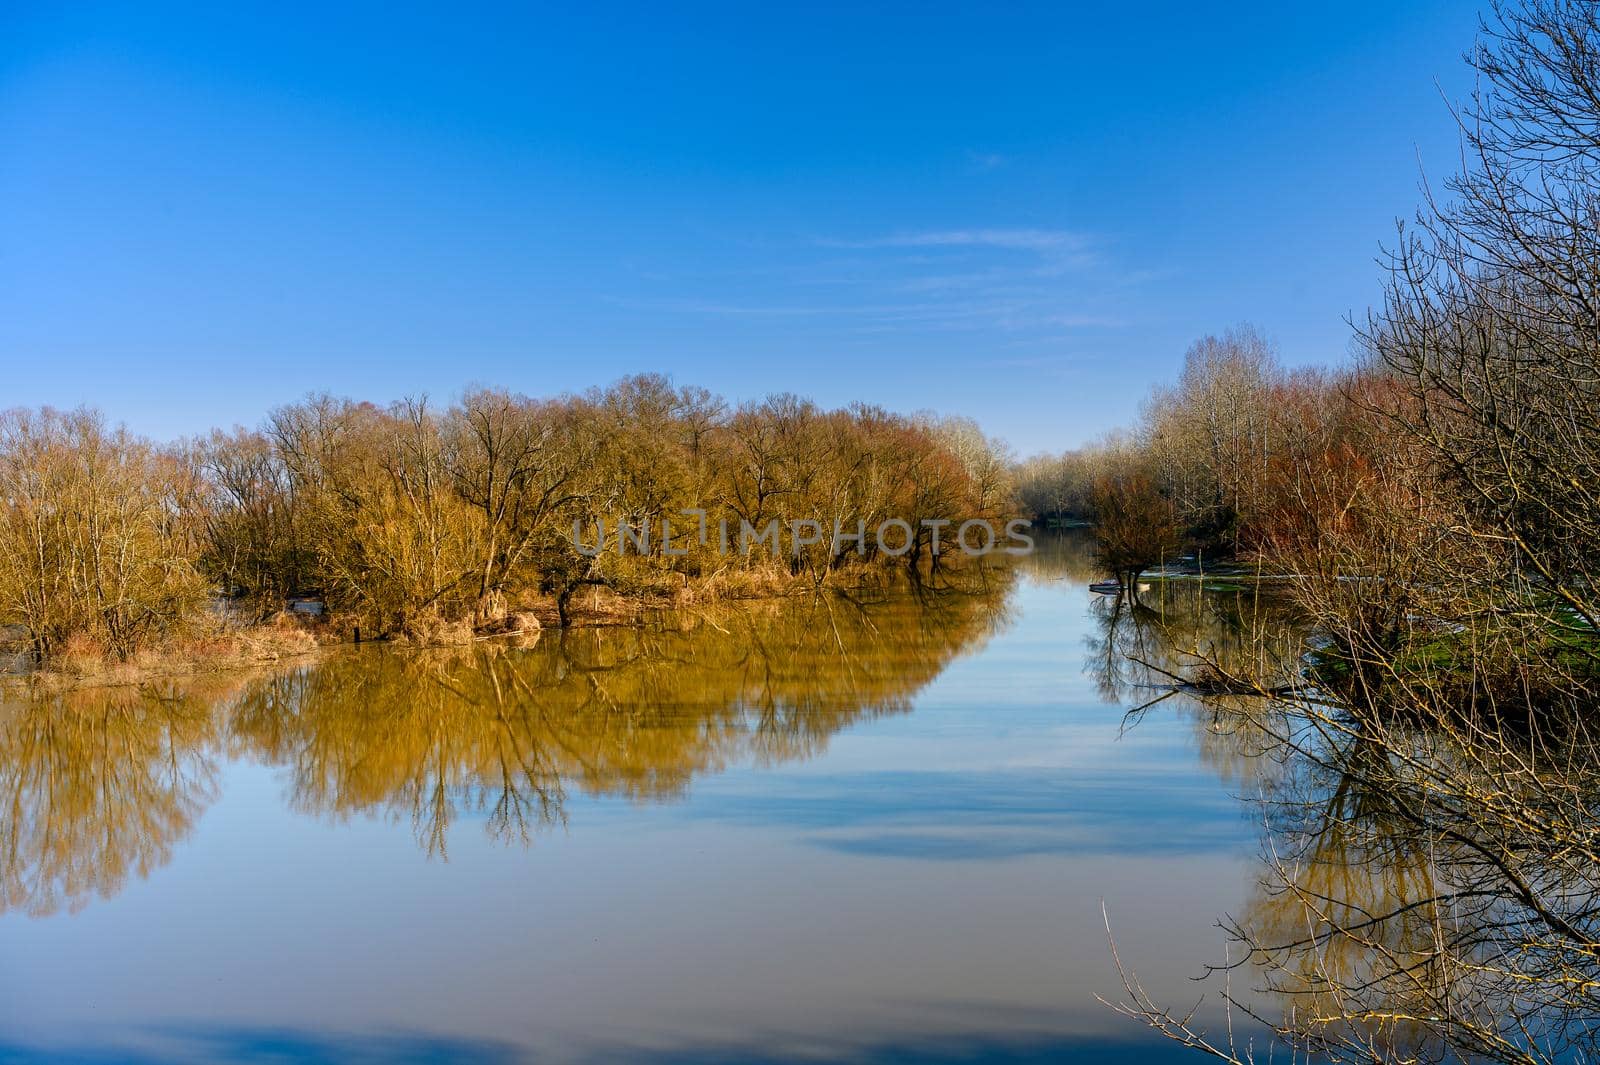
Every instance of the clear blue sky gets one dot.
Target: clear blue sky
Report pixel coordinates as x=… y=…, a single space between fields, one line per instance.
x=1018 y=212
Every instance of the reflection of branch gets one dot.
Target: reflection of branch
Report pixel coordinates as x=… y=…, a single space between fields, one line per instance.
x=1179 y=1028
x=1136 y=715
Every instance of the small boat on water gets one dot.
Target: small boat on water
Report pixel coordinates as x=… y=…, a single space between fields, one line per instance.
x=1106 y=587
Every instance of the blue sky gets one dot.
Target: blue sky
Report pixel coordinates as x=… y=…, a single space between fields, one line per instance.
x=1019 y=212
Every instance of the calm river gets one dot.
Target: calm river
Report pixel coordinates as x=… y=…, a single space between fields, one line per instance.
x=870 y=829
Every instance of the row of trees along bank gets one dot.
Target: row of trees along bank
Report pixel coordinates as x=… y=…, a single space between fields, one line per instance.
x=432 y=522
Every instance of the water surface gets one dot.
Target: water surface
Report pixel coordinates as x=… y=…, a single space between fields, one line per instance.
x=869 y=828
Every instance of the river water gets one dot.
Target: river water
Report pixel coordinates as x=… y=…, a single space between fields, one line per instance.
x=868 y=828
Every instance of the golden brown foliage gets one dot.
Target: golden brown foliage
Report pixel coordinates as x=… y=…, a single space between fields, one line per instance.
x=433 y=523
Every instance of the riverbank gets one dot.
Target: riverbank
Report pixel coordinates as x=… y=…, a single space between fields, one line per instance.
x=226 y=644
x=227 y=647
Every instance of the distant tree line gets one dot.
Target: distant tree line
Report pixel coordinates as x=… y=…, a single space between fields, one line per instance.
x=1239 y=457
x=434 y=521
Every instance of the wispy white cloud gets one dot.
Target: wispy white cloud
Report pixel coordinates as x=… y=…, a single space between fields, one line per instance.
x=986 y=161
x=715 y=307
x=1004 y=284
x=969 y=314
x=1083 y=321
x=1034 y=240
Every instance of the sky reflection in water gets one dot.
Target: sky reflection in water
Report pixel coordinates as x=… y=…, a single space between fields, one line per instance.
x=858 y=831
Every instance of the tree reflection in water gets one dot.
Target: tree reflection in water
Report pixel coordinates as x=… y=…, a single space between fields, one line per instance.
x=100 y=784
x=1430 y=885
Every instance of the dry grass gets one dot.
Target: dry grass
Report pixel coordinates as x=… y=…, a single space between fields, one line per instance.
x=763 y=582
x=434 y=631
x=216 y=648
